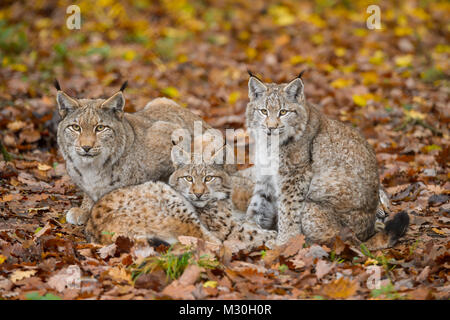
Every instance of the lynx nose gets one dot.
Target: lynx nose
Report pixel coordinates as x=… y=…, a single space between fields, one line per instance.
x=86 y=148
x=198 y=195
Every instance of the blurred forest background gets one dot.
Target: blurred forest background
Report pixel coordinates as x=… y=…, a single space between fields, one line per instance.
x=392 y=83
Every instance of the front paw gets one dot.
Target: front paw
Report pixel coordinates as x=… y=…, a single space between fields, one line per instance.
x=266 y=222
x=77 y=216
x=263 y=213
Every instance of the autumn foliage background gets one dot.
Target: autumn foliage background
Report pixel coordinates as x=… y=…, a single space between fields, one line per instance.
x=393 y=84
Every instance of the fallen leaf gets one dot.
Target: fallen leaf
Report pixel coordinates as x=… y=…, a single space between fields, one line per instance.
x=323 y=268
x=67 y=278
x=120 y=274
x=107 y=251
x=18 y=275
x=293 y=245
x=341 y=288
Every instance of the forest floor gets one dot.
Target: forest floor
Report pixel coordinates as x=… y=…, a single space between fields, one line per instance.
x=392 y=84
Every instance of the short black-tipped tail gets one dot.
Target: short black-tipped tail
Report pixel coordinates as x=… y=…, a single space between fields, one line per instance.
x=156 y=242
x=396 y=227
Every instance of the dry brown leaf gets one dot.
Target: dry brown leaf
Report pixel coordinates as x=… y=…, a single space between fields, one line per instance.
x=293 y=245
x=323 y=268
x=68 y=278
x=120 y=274
x=190 y=275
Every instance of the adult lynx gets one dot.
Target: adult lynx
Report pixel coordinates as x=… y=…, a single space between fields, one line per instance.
x=106 y=148
x=327 y=179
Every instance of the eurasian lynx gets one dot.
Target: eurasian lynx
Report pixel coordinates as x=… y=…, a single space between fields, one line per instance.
x=106 y=148
x=327 y=178
x=197 y=203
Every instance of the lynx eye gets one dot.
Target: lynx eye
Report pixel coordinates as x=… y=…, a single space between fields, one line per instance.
x=263 y=111
x=188 y=178
x=99 y=128
x=75 y=127
x=209 y=178
x=283 y=112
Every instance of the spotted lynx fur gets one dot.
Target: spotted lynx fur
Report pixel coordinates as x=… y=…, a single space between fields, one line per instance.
x=106 y=148
x=327 y=179
x=195 y=203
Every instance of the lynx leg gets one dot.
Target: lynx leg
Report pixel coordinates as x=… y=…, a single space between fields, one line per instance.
x=263 y=205
x=289 y=219
x=319 y=224
x=80 y=215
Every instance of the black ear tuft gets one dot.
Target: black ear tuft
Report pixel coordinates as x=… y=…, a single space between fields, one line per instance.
x=124 y=86
x=301 y=73
x=56 y=84
x=251 y=74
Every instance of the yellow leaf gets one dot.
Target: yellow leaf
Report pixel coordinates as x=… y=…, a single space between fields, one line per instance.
x=43 y=167
x=404 y=61
x=420 y=13
x=341 y=83
x=20 y=274
x=297 y=60
x=403 y=31
x=436 y=230
x=233 y=97
x=2 y=258
x=317 y=38
x=210 y=284
x=442 y=48
x=348 y=68
x=281 y=15
x=129 y=55
x=43 y=23
x=251 y=52
x=120 y=274
x=413 y=114
x=182 y=58
x=370 y=261
x=360 y=32
x=340 y=52
x=19 y=67
x=317 y=21
x=359 y=100
x=341 y=288
x=369 y=78
x=244 y=35
x=171 y=92
x=377 y=58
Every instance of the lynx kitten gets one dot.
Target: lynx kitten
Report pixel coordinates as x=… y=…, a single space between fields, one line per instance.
x=106 y=148
x=197 y=203
x=326 y=183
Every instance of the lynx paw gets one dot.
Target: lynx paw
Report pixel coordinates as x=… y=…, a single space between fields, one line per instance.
x=379 y=226
x=77 y=216
x=262 y=212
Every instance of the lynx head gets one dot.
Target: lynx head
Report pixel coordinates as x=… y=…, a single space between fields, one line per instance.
x=276 y=109
x=91 y=130
x=200 y=183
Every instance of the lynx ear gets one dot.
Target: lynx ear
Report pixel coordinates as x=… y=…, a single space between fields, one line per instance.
x=66 y=104
x=255 y=87
x=116 y=103
x=294 y=90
